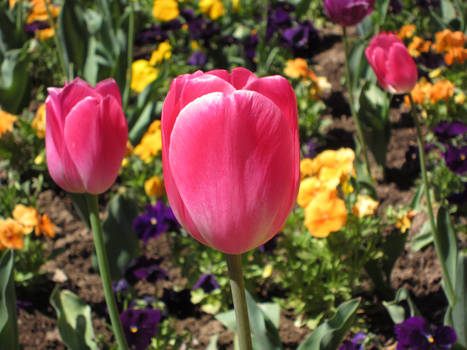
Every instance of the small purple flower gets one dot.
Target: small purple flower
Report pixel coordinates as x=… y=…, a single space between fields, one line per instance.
x=312 y=149
x=37 y=25
x=144 y=268
x=348 y=12
x=156 y=220
x=458 y=198
x=429 y=60
x=139 y=326
x=456 y=159
x=279 y=18
x=199 y=27
x=301 y=39
x=395 y=6
x=355 y=344
x=249 y=47
x=207 y=282
x=120 y=286
x=198 y=59
x=151 y=35
x=269 y=246
x=428 y=5
x=415 y=333
x=445 y=131
x=22 y=304
x=178 y=303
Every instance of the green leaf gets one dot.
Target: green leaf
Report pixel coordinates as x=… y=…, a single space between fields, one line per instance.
x=448 y=11
x=142 y=123
x=264 y=332
x=14 y=81
x=396 y=311
x=448 y=245
x=73 y=320
x=329 y=334
x=459 y=311
x=373 y=113
x=121 y=242
x=8 y=317
x=213 y=342
x=73 y=34
x=423 y=238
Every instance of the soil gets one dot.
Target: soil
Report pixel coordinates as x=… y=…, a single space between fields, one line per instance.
x=419 y=271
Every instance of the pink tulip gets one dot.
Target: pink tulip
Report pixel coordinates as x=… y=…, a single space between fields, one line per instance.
x=230 y=156
x=86 y=135
x=394 y=67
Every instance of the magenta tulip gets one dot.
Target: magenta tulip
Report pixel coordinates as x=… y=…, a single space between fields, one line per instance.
x=394 y=67
x=231 y=156
x=348 y=12
x=86 y=135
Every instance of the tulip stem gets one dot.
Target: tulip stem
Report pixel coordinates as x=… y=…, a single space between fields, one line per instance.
x=131 y=32
x=352 y=105
x=436 y=235
x=234 y=263
x=104 y=270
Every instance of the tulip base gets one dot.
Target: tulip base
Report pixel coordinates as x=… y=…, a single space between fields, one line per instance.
x=234 y=263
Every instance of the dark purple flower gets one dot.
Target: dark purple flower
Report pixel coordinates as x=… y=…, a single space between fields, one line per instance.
x=415 y=333
x=207 y=282
x=269 y=246
x=355 y=344
x=198 y=59
x=199 y=27
x=139 y=326
x=37 y=25
x=156 y=220
x=312 y=149
x=279 y=18
x=429 y=60
x=395 y=6
x=22 y=304
x=302 y=39
x=144 y=268
x=458 y=198
x=178 y=303
x=445 y=131
x=428 y=5
x=348 y=12
x=228 y=40
x=151 y=35
x=120 y=286
x=172 y=25
x=456 y=159
x=249 y=47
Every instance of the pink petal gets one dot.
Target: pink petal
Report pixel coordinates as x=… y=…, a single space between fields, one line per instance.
x=402 y=74
x=378 y=62
x=95 y=135
x=109 y=87
x=73 y=93
x=231 y=157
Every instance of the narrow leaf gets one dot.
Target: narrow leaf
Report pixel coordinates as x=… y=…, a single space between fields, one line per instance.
x=8 y=317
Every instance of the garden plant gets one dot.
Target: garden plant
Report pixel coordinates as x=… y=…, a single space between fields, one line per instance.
x=233 y=174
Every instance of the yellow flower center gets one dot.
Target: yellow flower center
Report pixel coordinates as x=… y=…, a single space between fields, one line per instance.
x=133 y=329
x=153 y=221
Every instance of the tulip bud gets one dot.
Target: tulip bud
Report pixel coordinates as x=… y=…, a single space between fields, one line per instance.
x=348 y=12
x=86 y=135
x=394 y=67
x=230 y=156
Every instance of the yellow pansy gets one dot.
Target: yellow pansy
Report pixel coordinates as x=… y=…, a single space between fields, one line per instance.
x=163 y=52
x=309 y=188
x=365 y=206
x=165 y=10
x=11 y=234
x=6 y=122
x=38 y=123
x=151 y=143
x=213 y=8
x=142 y=74
x=154 y=187
x=26 y=216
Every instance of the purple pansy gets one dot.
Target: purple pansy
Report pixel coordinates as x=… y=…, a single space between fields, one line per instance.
x=178 y=303
x=445 y=131
x=37 y=25
x=151 y=35
x=198 y=59
x=395 y=6
x=279 y=18
x=207 y=282
x=355 y=344
x=144 y=268
x=415 y=333
x=456 y=159
x=139 y=326
x=157 y=219
x=249 y=47
x=301 y=39
x=348 y=12
x=269 y=246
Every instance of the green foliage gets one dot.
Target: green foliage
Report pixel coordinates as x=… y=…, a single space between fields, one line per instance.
x=8 y=322
x=74 y=320
x=329 y=334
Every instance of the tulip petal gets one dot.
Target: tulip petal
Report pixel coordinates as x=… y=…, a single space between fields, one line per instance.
x=109 y=87
x=61 y=168
x=93 y=133
x=239 y=77
x=402 y=74
x=73 y=93
x=232 y=159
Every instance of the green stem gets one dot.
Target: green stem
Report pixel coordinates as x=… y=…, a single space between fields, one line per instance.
x=60 y=49
x=234 y=263
x=105 y=271
x=352 y=105
x=19 y=17
x=131 y=30
x=436 y=235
